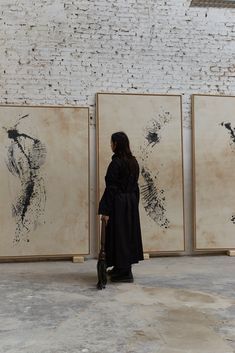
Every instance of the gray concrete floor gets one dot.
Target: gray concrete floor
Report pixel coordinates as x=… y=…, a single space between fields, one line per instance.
x=183 y=304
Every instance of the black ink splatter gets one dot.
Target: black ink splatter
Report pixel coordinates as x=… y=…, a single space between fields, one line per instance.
x=232 y=144
x=232 y=130
x=152 y=134
x=153 y=199
x=152 y=138
x=26 y=155
x=232 y=134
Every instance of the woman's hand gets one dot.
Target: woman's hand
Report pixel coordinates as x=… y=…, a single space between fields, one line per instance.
x=105 y=218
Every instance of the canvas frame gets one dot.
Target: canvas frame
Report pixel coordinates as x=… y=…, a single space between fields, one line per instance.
x=150 y=252
x=194 y=196
x=64 y=256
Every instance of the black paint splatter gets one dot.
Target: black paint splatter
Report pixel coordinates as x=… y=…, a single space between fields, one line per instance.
x=152 y=133
x=232 y=144
x=153 y=199
x=152 y=138
x=26 y=155
x=232 y=134
x=152 y=196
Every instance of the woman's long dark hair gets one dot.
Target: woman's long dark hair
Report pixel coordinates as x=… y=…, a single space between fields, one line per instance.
x=123 y=151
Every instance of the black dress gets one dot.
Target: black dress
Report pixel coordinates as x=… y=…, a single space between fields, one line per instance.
x=120 y=202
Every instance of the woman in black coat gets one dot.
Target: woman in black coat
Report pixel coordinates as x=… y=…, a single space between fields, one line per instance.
x=119 y=207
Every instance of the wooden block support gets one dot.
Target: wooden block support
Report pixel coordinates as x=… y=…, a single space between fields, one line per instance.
x=78 y=259
x=146 y=256
x=231 y=252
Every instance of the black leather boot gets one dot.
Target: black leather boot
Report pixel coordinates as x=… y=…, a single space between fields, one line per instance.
x=112 y=271
x=123 y=275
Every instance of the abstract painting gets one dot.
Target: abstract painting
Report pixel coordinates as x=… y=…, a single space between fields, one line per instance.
x=214 y=170
x=153 y=125
x=44 y=181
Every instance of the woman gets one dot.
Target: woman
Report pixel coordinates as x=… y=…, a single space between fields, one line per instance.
x=119 y=208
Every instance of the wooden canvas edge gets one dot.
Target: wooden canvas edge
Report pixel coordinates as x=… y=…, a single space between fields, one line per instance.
x=193 y=172
x=89 y=184
x=212 y=250
x=97 y=175
x=43 y=106
x=57 y=256
x=139 y=94
x=35 y=258
x=182 y=164
x=152 y=252
x=195 y=249
x=212 y=95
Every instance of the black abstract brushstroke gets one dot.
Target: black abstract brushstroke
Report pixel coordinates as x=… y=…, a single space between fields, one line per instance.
x=232 y=133
x=152 y=133
x=25 y=157
x=153 y=130
x=153 y=199
x=232 y=144
x=152 y=138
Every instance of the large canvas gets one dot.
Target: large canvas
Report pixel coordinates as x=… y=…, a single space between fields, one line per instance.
x=214 y=170
x=44 y=181
x=153 y=124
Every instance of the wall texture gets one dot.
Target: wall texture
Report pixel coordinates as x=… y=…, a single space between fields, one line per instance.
x=64 y=51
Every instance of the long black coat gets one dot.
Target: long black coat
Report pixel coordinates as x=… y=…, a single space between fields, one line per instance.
x=120 y=202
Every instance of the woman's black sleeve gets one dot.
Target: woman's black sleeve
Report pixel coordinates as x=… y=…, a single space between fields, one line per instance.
x=112 y=178
x=137 y=192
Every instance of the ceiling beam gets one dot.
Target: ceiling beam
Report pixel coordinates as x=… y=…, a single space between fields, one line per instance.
x=213 y=3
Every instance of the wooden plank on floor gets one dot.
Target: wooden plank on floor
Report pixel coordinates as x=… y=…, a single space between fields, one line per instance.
x=231 y=252
x=78 y=259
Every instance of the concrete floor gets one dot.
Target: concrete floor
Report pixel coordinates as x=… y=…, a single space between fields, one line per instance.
x=184 y=304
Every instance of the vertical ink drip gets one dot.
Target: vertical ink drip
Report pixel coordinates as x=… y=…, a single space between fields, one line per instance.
x=153 y=197
x=25 y=157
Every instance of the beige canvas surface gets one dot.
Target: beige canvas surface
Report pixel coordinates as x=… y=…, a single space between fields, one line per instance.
x=214 y=164
x=44 y=181
x=153 y=124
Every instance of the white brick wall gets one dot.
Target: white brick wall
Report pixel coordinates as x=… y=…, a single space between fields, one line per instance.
x=63 y=52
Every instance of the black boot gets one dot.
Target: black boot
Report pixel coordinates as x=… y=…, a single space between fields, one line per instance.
x=123 y=275
x=112 y=271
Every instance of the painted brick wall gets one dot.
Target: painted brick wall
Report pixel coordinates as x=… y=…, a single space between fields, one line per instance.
x=64 y=51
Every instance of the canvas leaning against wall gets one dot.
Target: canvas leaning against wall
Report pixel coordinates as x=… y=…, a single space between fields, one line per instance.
x=214 y=170
x=153 y=124
x=44 y=181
